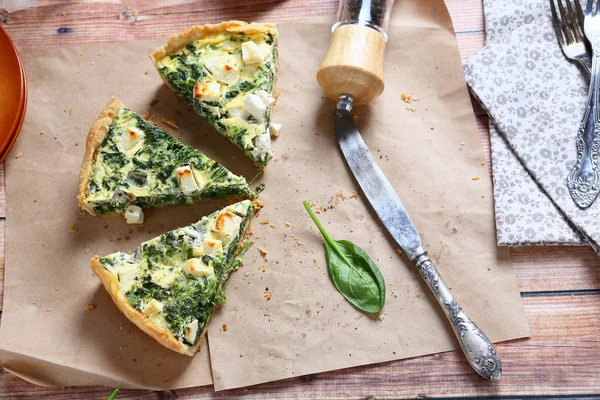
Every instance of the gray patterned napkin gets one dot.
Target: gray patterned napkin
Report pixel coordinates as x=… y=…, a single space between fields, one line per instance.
x=535 y=97
x=525 y=215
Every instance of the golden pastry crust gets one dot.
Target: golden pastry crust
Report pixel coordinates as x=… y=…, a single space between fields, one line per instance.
x=167 y=339
x=112 y=286
x=182 y=39
x=95 y=137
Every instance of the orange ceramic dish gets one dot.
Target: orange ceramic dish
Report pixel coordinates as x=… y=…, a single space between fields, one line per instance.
x=13 y=94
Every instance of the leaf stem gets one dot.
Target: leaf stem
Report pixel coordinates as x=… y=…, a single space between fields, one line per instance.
x=113 y=394
x=317 y=222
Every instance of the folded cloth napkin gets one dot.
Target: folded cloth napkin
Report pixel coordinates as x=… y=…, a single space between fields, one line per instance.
x=525 y=215
x=536 y=98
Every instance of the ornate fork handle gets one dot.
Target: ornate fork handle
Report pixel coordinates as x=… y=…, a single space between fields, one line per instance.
x=583 y=180
x=478 y=349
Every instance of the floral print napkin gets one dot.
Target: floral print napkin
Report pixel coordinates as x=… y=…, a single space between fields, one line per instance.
x=525 y=215
x=535 y=97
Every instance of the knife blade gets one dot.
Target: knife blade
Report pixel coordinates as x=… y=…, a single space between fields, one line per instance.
x=384 y=200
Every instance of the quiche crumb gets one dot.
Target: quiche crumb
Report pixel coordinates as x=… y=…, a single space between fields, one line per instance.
x=476 y=178
x=288 y=224
x=483 y=162
x=381 y=317
x=264 y=222
x=171 y=123
x=146 y=73
x=19 y=154
x=147 y=116
x=224 y=330
x=264 y=268
x=73 y=229
x=262 y=251
x=268 y=294
x=87 y=250
x=258 y=203
x=272 y=225
x=42 y=132
x=89 y=307
x=354 y=195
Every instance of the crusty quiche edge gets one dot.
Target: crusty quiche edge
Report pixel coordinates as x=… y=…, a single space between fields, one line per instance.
x=165 y=338
x=96 y=135
x=182 y=39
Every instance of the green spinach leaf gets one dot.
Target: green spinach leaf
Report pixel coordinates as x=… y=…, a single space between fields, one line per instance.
x=352 y=271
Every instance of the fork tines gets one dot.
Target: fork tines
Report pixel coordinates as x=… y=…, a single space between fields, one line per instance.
x=569 y=27
x=590 y=7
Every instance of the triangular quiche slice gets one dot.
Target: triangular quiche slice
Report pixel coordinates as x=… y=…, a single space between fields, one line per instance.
x=170 y=285
x=131 y=165
x=226 y=72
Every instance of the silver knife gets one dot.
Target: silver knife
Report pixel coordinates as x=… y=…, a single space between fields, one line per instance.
x=352 y=73
x=479 y=350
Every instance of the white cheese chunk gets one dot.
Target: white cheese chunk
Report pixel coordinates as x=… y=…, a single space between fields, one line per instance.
x=153 y=311
x=265 y=97
x=163 y=277
x=213 y=246
x=131 y=137
x=275 y=129
x=134 y=215
x=266 y=51
x=191 y=331
x=210 y=246
x=227 y=224
x=264 y=141
x=186 y=179
x=201 y=178
x=207 y=91
x=255 y=106
x=195 y=267
x=238 y=112
x=222 y=68
x=127 y=274
x=251 y=53
x=153 y=308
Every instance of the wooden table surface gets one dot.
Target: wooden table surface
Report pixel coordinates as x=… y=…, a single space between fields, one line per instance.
x=560 y=286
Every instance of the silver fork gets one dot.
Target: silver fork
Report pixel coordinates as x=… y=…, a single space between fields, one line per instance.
x=569 y=32
x=583 y=180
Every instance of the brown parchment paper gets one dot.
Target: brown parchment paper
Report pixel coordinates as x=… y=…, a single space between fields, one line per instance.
x=47 y=337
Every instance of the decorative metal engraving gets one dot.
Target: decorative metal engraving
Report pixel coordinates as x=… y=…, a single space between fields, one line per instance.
x=476 y=346
x=583 y=180
x=429 y=273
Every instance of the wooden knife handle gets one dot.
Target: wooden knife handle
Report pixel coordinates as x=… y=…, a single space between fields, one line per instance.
x=353 y=64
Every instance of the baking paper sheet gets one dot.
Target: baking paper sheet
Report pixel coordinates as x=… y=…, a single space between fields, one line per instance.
x=429 y=152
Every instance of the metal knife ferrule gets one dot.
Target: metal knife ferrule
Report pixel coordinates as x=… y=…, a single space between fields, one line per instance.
x=345 y=102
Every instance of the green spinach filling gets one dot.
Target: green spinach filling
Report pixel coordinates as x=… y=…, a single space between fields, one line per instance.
x=183 y=69
x=146 y=175
x=185 y=298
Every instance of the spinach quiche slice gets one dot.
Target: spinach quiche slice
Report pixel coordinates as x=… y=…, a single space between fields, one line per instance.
x=170 y=285
x=130 y=165
x=226 y=73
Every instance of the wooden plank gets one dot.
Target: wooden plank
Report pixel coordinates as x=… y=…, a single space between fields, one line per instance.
x=68 y=24
x=562 y=357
